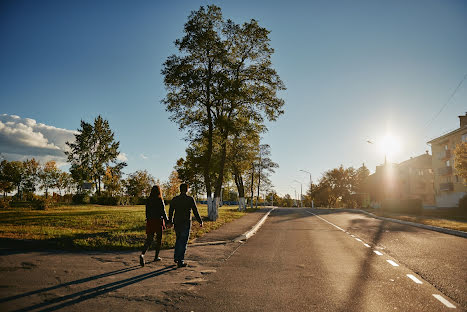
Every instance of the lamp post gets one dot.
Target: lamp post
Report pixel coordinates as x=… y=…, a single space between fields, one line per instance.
x=301 y=193
x=311 y=185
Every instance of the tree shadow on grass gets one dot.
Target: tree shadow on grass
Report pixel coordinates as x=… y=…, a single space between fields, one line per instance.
x=80 y=296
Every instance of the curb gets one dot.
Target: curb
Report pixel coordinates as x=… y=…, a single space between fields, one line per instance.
x=423 y=226
x=254 y=229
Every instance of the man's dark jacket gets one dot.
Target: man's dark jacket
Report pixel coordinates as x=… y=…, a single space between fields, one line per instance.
x=183 y=205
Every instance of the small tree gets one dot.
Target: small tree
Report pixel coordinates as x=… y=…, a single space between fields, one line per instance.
x=14 y=172
x=460 y=160
x=31 y=171
x=171 y=187
x=6 y=184
x=49 y=176
x=139 y=184
x=64 y=182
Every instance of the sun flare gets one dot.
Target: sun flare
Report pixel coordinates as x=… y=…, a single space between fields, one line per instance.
x=390 y=145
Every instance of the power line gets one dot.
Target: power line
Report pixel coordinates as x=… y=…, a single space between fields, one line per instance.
x=447 y=102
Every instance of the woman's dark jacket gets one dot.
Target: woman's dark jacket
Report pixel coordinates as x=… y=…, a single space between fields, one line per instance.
x=155 y=209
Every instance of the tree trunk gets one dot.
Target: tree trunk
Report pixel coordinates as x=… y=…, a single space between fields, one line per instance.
x=241 y=190
x=252 y=182
x=220 y=176
x=259 y=182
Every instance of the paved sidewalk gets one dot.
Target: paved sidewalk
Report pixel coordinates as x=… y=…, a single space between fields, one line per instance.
x=112 y=281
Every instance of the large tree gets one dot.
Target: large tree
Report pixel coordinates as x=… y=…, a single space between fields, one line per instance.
x=191 y=79
x=222 y=81
x=93 y=150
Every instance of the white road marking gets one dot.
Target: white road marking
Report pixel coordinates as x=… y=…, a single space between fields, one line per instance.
x=366 y=245
x=413 y=278
x=444 y=301
x=377 y=252
x=392 y=263
x=358 y=239
x=327 y=221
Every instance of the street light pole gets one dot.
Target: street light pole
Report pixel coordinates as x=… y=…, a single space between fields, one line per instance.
x=311 y=186
x=301 y=193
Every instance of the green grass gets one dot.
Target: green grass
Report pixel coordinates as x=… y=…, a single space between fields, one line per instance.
x=95 y=227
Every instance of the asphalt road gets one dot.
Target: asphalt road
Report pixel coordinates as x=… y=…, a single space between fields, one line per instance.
x=310 y=260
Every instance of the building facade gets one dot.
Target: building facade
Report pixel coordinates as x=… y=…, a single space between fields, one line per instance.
x=410 y=179
x=449 y=187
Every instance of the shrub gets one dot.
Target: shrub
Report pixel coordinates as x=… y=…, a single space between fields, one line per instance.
x=5 y=202
x=463 y=203
x=42 y=203
x=80 y=199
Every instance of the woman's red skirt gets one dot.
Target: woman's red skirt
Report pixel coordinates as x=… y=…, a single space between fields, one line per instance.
x=155 y=226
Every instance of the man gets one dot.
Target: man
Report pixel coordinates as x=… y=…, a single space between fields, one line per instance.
x=182 y=205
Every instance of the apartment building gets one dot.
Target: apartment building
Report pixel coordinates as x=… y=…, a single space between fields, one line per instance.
x=449 y=187
x=410 y=179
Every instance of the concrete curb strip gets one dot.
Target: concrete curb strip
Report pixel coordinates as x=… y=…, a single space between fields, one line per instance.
x=254 y=229
x=423 y=226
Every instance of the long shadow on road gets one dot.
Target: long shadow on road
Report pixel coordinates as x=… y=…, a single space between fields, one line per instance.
x=79 y=281
x=94 y=292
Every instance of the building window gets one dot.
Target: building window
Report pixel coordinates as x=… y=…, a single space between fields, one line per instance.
x=448 y=163
x=464 y=137
x=445 y=147
x=457 y=178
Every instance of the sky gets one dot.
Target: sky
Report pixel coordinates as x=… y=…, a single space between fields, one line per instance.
x=354 y=71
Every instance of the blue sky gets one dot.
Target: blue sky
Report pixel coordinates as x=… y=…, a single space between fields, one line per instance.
x=354 y=70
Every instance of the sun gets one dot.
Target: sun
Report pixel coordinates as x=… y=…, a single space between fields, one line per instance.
x=390 y=145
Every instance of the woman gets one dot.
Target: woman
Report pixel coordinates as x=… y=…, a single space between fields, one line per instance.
x=155 y=222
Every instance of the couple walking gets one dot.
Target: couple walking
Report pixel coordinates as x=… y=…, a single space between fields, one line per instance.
x=180 y=210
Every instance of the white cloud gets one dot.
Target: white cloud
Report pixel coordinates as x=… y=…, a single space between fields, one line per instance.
x=143 y=156
x=122 y=157
x=25 y=138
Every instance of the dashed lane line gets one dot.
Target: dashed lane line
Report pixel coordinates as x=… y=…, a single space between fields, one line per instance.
x=341 y=229
x=392 y=263
x=444 y=301
x=413 y=278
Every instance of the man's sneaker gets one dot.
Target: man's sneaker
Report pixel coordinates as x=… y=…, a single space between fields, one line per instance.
x=156 y=259
x=181 y=264
x=141 y=260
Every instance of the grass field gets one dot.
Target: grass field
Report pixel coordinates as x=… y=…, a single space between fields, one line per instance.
x=94 y=227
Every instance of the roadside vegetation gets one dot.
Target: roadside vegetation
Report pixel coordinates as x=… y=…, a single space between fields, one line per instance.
x=93 y=227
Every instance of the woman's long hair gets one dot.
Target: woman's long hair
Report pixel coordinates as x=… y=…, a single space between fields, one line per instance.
x=156 y=192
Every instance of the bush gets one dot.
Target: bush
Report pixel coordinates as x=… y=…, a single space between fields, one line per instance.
x=80 y=199
x=42 y=203
x=463 y=203
x=5 y=202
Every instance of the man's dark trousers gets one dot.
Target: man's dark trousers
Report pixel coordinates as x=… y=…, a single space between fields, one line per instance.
x=182 y=233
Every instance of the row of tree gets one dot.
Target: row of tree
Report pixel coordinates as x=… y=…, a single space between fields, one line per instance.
x=221 y=88
x=30 y=176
